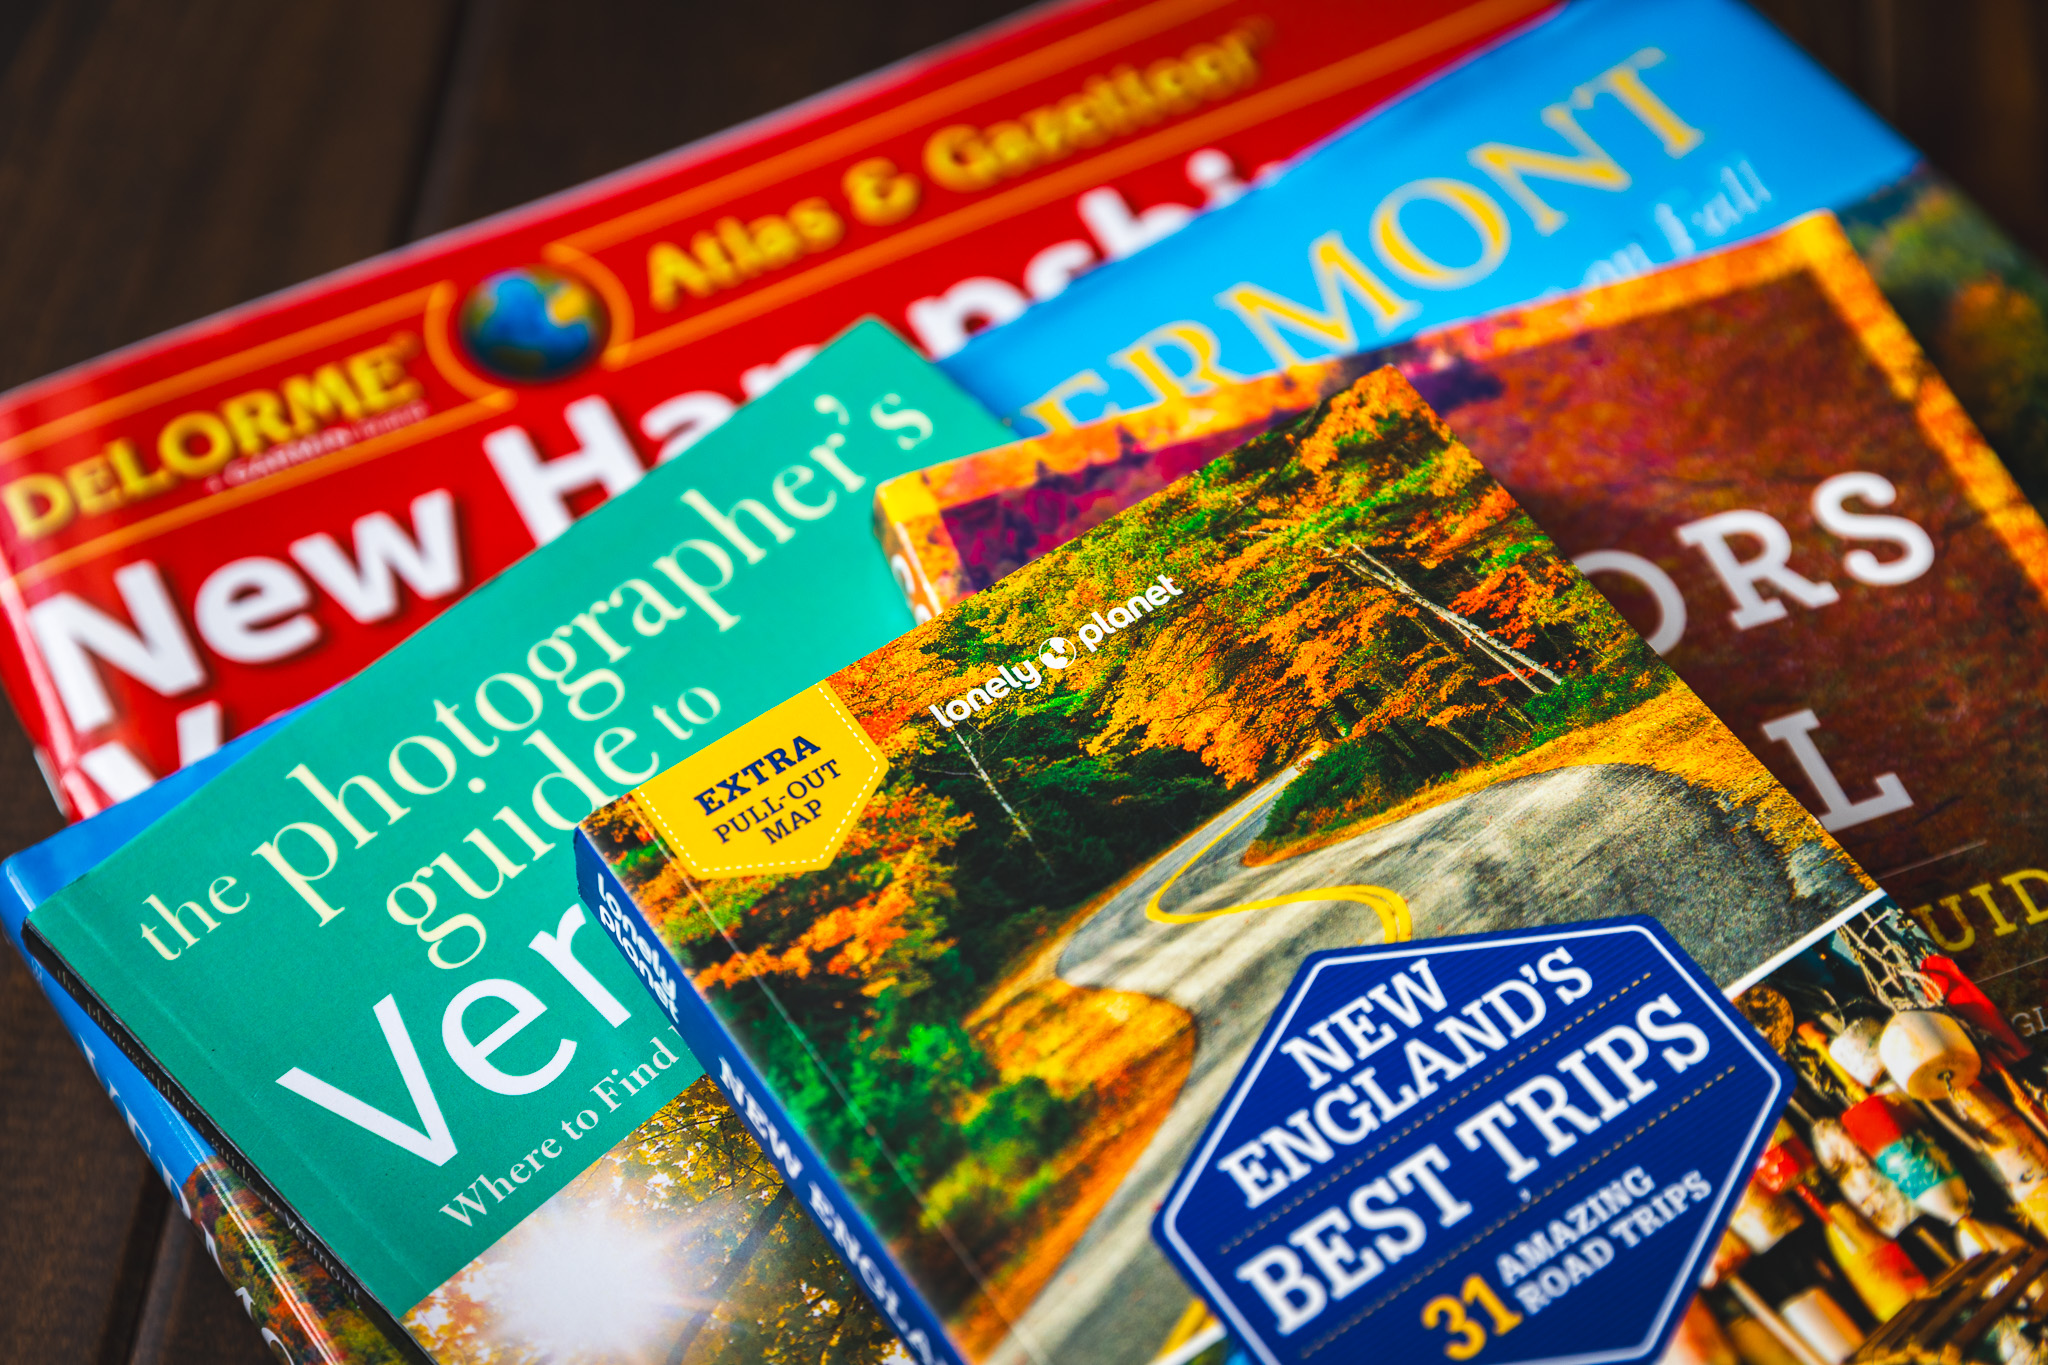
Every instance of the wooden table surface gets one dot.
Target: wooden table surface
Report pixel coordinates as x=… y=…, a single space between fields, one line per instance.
x=160 y=161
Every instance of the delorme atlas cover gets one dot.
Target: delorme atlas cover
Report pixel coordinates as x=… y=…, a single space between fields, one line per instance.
x=1750 y=456
x=977 y=930
x=207 y=528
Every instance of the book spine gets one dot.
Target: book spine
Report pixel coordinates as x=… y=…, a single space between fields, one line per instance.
x=264 y=1273
x=851 y=1235
x=900 y=506
x=58 y=974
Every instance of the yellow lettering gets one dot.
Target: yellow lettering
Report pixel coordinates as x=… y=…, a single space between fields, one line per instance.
x=1015 y=150
x=1049 y=130
x=1625 y=83
x=1237 y=49
x=1954 y=905
x=1173 y=85
x=1217 y=70
x=1409 y=261
x=2035 y=914
x=312 y=403
x=1107 y=104
x=957 y=158
x=195 y=445
x=879 y=193
x=746 y=257
x=93 y=485
x=776 y=240
x=817 y=224
x=39 y=503
x=1051 y=410
x=731 y=252
x=1338 y=274
x=968 y=159
x=1197 y=342
x=135 y=481
x=257 y=419
x=1137 y=100
x=379 y=373
x=1082 y=123
x=2003 y=925
x=712 y=257
x=668 y=267
x=1510 y=167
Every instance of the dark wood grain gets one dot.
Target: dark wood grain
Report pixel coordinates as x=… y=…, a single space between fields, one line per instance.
x=78 y=1215
x=160 y=161
x=543 y=96
x=1965 y=80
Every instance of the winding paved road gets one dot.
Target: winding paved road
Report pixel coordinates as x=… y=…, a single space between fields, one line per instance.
x=1578 y=843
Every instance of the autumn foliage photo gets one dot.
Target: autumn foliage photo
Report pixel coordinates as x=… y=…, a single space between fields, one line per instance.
x=1906 y=659
x=681 y=1245
x=1375 y=704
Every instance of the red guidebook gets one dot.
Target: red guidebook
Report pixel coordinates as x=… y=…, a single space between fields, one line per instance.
x=209 y=527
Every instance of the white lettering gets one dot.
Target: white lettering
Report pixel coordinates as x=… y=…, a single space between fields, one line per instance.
x=1741 y=577
x=155 y=650
x=540 y=488
x=430 y=561
x=431 y=1141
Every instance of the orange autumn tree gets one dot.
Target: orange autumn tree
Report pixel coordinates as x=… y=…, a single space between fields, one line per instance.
x=872 y=920
x=1355 y=571
x=287 y=1293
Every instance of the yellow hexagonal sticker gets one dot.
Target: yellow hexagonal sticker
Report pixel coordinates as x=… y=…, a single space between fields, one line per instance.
x=779 y=794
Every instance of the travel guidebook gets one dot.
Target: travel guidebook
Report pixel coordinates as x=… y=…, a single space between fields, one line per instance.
x=1614 y=137
x=1749 y=456
x=522 y=371
x=300 y=1310
x=768 y=1287
x=978 y=930
x=1605 y=414
x=212 y=526
x=480 y=1126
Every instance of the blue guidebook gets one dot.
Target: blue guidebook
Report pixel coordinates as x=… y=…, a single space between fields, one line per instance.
x=1613 y=138
x=297 y=1307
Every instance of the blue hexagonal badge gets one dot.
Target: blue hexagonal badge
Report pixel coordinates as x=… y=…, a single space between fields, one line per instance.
x=1507 y=1148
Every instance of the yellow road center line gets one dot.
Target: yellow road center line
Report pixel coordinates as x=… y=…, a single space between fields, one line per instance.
x=1390 y=906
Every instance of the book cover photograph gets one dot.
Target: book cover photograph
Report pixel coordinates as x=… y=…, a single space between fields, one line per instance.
x=1601 y=142
x=1795 y=556
x=1900 y=1211
x=355 y=962
x=682 y=1241
x=1182 y=682
x=1975 y=301
x=979 y=929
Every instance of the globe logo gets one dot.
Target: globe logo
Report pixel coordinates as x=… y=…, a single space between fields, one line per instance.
x=533 y=324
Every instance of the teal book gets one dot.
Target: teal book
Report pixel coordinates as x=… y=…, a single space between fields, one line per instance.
x=357 y=963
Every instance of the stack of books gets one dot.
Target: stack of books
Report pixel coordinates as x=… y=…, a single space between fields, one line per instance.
x=767 y=830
